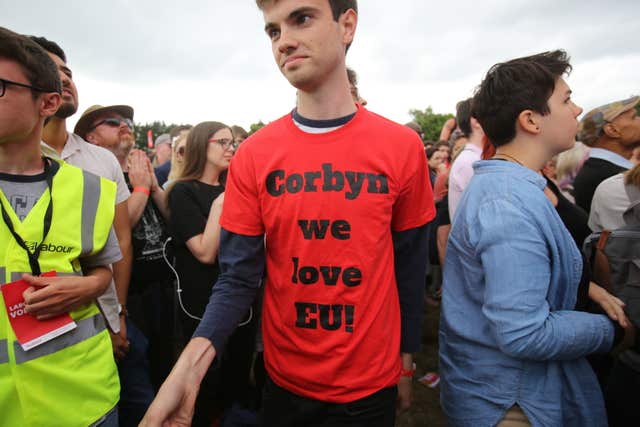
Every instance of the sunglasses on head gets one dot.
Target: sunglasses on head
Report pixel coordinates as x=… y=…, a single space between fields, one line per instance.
x=114 y=122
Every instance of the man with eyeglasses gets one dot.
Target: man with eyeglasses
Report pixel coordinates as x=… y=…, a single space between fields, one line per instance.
x=58 y=142
x=70 y=380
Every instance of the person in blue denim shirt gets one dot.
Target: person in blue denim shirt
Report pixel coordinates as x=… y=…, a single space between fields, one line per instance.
x=511 y=345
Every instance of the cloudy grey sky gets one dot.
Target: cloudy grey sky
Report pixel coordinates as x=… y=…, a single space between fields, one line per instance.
x=209 y=59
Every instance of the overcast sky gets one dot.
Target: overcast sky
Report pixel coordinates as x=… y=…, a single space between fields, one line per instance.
x=210 y=59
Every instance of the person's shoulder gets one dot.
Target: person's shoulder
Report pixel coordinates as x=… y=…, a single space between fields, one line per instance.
x=610 y=187
x=267 y=132
x=383 y=129
x=100 y=153
x=381 y=123
x=69 y=169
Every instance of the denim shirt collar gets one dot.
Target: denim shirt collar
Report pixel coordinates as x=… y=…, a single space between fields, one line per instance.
x=502 y=166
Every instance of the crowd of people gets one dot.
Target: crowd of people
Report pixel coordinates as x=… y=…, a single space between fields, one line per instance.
x=281 y=280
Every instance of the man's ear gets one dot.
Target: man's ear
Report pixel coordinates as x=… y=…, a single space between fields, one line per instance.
x=348 y=22
x=529 y=121
x=49 y=103
x=611 y=130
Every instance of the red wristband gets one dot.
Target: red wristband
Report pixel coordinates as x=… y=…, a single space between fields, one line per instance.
x=408 y=372
x=144 y=190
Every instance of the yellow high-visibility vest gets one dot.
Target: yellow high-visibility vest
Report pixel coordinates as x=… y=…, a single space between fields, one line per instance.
x=71 y=380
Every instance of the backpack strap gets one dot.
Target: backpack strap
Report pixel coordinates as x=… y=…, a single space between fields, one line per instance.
x=632 y=215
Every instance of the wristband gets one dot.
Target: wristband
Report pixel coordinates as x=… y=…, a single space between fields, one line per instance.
x=144 y=190
x=408 y=372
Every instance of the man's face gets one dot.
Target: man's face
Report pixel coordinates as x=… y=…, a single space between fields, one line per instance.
x=69 y=91
x=560 y=126
x=117 y=138
x=307 y=43
x=628 y=124
x=19 y=113
x=163 y=153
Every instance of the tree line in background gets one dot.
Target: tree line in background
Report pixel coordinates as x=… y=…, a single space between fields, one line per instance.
x=430 y=122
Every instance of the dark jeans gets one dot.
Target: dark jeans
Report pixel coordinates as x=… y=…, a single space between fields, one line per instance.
x=151 y=307
x=136 y=392
x=621 y=396
x=284 y=409
x=109 y=420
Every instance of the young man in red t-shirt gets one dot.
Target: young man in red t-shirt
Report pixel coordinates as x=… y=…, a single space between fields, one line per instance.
x=343 y=197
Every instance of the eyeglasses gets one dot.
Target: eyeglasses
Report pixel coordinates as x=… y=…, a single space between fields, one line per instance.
x=4 y=83
x=225 y=143
x=114 y=122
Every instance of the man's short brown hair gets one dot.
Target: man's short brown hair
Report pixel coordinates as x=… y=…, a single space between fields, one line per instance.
x=338 y=7
x=35 y=63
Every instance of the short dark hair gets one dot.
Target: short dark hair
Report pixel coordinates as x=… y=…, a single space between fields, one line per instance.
x=36 y=64
x=442 y=144
x=338 y=7
x=511 y=87
x=50 y=46
x=463 y=116
x=430 y=151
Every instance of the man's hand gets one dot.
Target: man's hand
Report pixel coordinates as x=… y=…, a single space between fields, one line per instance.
x=119 y=341
x=174 y=404
x=405 y=394
x=139 y=174
x=48 y=297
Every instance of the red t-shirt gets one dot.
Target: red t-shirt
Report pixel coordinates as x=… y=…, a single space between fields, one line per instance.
x=327 y=204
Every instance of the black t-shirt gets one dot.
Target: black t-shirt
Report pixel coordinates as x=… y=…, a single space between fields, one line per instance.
x=148 y=238
x=189 y=206
x=593 y=172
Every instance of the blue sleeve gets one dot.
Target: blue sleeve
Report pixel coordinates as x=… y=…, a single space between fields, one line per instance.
x=241 y=259
x=517 y=268
x=162 y=173
x=410 y=249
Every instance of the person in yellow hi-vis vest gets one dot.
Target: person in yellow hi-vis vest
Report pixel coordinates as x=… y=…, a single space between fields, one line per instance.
x=54 y=217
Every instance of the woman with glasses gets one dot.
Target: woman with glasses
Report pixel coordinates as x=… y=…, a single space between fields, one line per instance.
x=195 y=204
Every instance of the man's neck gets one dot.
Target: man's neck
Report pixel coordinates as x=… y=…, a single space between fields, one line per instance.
x=330 y=101
x=614 y=146
x=527 y=153
x=55 y=134
x=21 y=157
x=121 y=155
